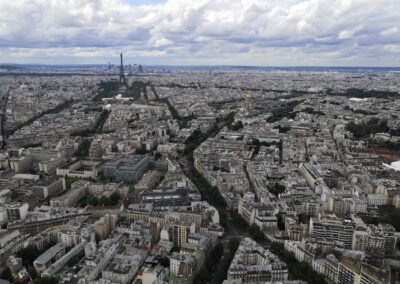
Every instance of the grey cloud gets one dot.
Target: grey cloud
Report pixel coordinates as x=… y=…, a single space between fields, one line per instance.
x=203 y=26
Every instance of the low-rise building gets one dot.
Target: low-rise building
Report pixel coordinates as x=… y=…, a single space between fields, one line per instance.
x=83 y=168
x=127 y=168
x=252 y=263
x=332 y=228
x=48 y=188
x=16 y=211
x=49 y=257
x=72 y=196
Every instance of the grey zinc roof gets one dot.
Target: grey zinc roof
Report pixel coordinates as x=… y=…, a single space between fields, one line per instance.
x=50 y=253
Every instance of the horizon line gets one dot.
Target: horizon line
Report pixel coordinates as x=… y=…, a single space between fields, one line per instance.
x=199 y=65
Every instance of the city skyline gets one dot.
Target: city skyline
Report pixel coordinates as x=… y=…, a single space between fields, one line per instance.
x=176 y=32
x=200 y=142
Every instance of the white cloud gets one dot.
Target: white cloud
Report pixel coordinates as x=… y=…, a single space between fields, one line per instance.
x=162 y=42
x=390 y=32
x=346 y=34
x=203 y=30
x=392 y=48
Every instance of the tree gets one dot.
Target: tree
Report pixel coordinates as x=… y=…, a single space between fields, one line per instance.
x=304 y=218
x=115 y=197
x=217 y=252
x=29 y=253
x=6 y=274
x=141 y=151
x=297 y=270
x=45 y=280
x=210 y=264
x=392 y=217
x=237 y=126
x=165 y=261
x=83 y=149
x=277 y=189
x=93 y=200
x=14 y=194
x=69 y=181
x=233 y=245
x=220 y=274
x=281 y=222
x=203 y=276
x=157 y=156
x=223 y=218
x=104 y=200
x=284 y=111
x=107 y=90
x=239 y=220
x=256 y=233
x=102 y=119
x=365 y=129
x=114 y=148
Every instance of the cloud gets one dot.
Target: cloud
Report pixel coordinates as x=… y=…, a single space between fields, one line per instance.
x=390 y=32
x=162 y=42
x=203 y=30
x=346 y=34
x=392 y=48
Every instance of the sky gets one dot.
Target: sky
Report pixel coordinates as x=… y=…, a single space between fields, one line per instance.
x=202 y=32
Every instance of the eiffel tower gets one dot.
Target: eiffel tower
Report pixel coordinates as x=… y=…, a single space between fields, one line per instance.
x=122 y=80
